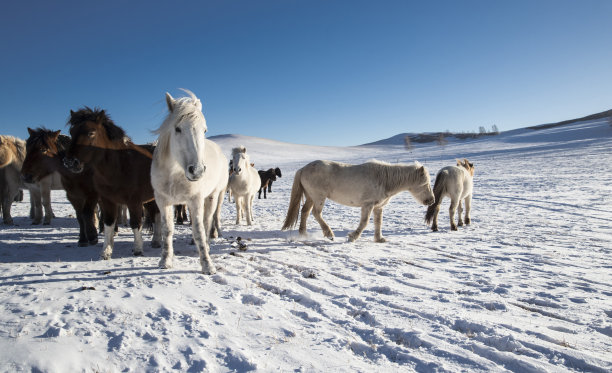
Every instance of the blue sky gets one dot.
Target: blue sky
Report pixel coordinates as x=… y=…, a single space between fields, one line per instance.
x=312 y=72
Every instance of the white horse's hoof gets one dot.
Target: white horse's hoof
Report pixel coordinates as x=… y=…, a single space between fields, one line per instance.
x=105 y=256
x=209 y=270
x=165 y=263
x=381 y=240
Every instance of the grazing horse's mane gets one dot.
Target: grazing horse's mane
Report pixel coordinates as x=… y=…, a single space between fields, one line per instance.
x=394 y=176
x=97 y=115
x=183 y=108
x=12 y=149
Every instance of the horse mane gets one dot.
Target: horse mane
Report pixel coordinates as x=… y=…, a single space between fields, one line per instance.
x=394 y=176
x=184 y=108
x=97 y=115
x=7 y=154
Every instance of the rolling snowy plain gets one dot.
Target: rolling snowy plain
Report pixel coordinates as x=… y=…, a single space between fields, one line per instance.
x=527 y=287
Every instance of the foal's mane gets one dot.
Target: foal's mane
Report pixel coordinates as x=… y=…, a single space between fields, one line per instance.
x=41 y=135
x=97 y=115
x=239 y=149
x=184 y=108
x=397 y=175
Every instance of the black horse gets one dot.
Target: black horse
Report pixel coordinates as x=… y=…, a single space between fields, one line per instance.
x=267 y=177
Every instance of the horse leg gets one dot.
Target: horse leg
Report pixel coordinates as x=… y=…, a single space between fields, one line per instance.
x=166 y=213
x=215 y=232
x=305 y=212
x=259 y=195
x=378 y=237
x=460 y=214
x=109 y=214
x=89 y=221
x=270 y=186
x=238 y=201
x=77 y=204
x=451 y=212
x=136 y=211
x=36 y=205
x=200 y=236
x=250 y=208
x=366 y=211
x=468 y=207
x=46 y=201
x=317 y=210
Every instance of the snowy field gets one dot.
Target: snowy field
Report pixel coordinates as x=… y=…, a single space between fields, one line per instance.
x=527 y=287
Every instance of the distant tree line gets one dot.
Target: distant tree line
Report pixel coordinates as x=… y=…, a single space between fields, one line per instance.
x=441 y=137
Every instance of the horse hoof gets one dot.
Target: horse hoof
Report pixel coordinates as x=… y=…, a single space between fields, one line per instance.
x=434 y=229
x=93 y=242
x=47 y=223
x=165 y=264
x=381 y=240
x=453 y=228
x=138 y=253
x=105 y=257
x=460 y=224
x=467 y=221
x=209 y=271
x=83 y=244
x=156 y=244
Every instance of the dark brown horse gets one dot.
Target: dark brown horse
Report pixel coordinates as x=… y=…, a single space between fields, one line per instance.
x=267 y=177
x=45 y=151
x=121 y=170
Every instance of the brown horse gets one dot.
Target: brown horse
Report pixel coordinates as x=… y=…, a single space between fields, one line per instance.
x=45 y=151
x=121 y=170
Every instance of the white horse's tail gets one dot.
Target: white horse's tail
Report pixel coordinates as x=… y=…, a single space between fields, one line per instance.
x=439 y=190
x=297 y=191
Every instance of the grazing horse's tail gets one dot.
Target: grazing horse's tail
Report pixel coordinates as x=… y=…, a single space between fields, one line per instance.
x=439 y=189
x=297 y=191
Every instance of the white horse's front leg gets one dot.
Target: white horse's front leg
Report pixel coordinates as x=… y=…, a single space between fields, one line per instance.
x=378 y=237
x=249 y=216
x=366 y=211
x=167 y=230
x=200 y=237
x=238 y=201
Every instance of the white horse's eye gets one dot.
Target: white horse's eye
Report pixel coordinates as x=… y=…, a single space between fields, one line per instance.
x=178 y=130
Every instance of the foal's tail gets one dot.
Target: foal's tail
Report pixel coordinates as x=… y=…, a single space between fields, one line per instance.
x=297 y=191
x=439 y=189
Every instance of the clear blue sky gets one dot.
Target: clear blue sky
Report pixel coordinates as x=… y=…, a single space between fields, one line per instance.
x=313 y=72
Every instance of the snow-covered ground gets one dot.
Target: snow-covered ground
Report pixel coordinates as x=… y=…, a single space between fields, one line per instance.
x=527 y=287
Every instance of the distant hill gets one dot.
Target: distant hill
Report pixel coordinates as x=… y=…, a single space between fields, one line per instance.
x=428 y=137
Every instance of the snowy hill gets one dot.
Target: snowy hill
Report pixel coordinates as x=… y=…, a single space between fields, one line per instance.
x=527 y=287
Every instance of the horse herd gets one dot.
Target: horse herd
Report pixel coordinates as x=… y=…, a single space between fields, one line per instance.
x=98 y=165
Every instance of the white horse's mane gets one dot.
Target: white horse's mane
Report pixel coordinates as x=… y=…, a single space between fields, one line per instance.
x=183 y=108
x=238 y=149
x=398 y=174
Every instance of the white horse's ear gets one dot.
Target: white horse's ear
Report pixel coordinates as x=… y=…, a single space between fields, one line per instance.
x=459 y=163
x=169 y=102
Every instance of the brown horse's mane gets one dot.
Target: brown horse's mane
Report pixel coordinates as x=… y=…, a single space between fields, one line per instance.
x=114 y=133
x=97 y=115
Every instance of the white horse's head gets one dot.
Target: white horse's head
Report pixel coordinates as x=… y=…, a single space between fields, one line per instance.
x=240 y=160
x=182 y=134
x=421 y=189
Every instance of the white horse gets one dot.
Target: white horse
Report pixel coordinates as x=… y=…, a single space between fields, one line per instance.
x=457 y=183
x=188 y=169
x=369 y=186
x=244 y=183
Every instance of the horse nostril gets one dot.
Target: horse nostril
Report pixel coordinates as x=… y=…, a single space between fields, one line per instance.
x=191 y=169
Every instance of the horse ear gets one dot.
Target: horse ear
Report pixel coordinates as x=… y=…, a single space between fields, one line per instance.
x=422 y=169
x=55 y=134
x=30 y=131
x=459 y=163
x=169 y=102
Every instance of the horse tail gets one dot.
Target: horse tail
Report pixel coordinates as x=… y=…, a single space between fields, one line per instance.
x=297 y=191
x=439 y=189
